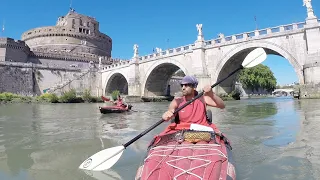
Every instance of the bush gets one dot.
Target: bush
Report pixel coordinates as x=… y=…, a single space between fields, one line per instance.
x=87 y=95
x=48 y=97
x=70 y=97
x=115 y=95
x=6 y=96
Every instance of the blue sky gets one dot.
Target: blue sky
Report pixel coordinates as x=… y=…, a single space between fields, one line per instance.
x=164 y=24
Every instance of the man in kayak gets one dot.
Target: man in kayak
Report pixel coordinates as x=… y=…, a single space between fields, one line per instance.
x=119 y=102
x=194 y=113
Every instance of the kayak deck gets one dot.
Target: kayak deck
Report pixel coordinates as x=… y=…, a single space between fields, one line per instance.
x=183 y=159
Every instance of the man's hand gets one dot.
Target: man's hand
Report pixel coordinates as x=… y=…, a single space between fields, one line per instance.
x=168 y=115
x=207 y=89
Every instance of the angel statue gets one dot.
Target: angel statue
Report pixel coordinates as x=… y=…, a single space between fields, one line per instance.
x=199 y=28
x=135 y=49
x=307 y=4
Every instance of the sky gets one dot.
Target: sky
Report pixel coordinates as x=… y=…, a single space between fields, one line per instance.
x=164 y=24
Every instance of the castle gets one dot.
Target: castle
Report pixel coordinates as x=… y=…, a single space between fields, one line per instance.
x=56 y=54
x=74 y=39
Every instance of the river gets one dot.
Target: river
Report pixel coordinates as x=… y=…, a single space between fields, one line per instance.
x=272 y=138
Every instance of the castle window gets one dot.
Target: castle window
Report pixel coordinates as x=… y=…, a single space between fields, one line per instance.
x=88 y=24
x=81 y=24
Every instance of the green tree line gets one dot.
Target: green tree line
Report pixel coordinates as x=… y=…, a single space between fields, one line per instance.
x=258 y=77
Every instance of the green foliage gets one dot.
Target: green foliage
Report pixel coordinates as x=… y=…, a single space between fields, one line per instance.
x=70 y=97
x=48 y=97
x=115 y=94
x=6 y=96
x=86 y=95
x=88 y=98
x=67 y=97
x=258 y=77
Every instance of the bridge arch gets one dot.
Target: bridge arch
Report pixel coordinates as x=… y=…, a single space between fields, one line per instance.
x=155 y=81
x=116 y=81
x=233 y=58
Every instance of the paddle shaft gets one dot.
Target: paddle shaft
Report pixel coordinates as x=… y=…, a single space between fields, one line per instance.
x=178 y=109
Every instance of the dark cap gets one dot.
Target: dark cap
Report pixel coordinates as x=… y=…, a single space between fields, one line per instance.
x=189 y=80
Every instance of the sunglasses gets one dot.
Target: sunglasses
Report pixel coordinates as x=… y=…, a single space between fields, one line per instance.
x=187 y=85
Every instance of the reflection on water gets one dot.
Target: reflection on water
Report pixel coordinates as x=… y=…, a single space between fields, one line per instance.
x=50 y=141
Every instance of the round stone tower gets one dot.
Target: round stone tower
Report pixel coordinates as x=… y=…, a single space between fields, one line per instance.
x=73 y=34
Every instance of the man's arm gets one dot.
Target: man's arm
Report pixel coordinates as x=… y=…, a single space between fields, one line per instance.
x=212 y=99
x=172 y=107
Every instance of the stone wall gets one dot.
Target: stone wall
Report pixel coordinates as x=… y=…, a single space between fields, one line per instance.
x=18 y=80
x=309 y=91
x=31 y=79
x=13 y=50
x=85 y=81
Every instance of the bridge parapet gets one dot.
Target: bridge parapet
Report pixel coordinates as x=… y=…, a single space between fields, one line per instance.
x=260 y=33
x=122 y=63
x=257 y=34
x=168 y=52
x=153 y=56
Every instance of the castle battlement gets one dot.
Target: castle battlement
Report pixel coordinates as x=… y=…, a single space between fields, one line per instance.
x=74 y=33
x=12 y=42
x=63 y=31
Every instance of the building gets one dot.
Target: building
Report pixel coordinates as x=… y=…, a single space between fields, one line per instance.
x=75 y=40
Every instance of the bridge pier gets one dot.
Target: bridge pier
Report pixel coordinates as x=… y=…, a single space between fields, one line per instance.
x=311 y=68
x=134 y=85
x=203 y=80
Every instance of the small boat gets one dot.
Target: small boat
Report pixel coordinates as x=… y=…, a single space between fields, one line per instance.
x=114 y=109
x=197 y=153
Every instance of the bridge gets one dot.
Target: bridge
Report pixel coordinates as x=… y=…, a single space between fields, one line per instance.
x=211 y=60
x=287 y=91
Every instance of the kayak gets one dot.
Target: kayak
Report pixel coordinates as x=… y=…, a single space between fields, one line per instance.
x=114 y=109
x=188 y=154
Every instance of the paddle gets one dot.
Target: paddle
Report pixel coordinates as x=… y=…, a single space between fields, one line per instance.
x=104 y=98
x=106 y=158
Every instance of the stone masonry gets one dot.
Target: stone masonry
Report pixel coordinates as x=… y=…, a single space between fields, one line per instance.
x=212 y=60
x=54 y=58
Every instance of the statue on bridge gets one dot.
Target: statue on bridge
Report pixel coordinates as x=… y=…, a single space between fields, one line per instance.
x=135 y=50
x=199 y=29
x=307 y=4
x=100 y=62
x=158 y=50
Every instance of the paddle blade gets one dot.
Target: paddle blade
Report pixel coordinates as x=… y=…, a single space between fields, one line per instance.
x=103 y=160
x=254 y=58
x=104 y=98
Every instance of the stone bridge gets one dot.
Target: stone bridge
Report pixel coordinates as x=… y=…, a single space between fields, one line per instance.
x=211 y=60
x=288 y=91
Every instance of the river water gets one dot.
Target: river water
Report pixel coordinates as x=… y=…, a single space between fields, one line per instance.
x=272 y=138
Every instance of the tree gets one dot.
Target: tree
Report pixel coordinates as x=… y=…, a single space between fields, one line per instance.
x=258 y=77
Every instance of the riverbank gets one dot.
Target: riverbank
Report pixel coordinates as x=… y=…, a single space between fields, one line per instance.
x=68 y=97
x=86 y=97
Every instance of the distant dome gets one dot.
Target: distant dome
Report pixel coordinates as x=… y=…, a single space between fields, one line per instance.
x=73 y=33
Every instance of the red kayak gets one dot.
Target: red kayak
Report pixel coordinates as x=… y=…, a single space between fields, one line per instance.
x=188 y=154
x=114 y=109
